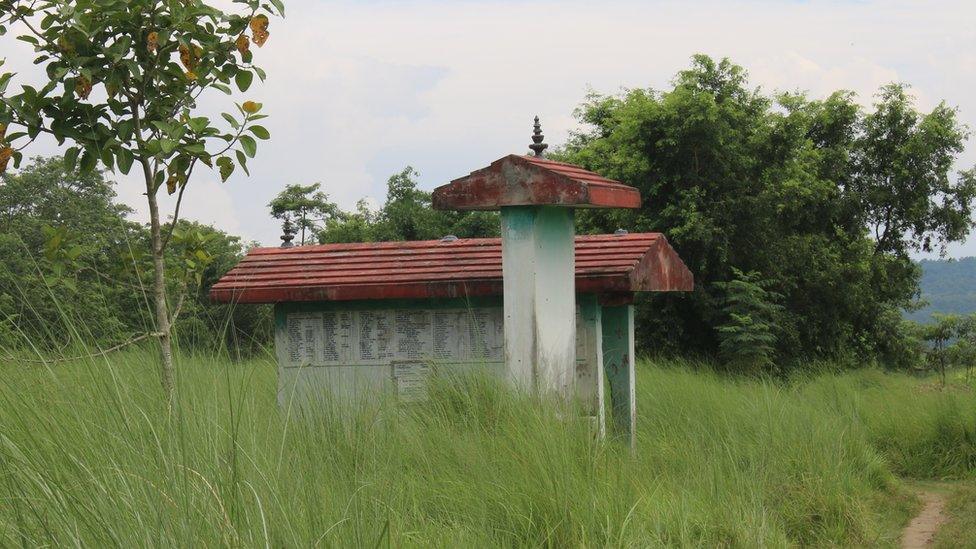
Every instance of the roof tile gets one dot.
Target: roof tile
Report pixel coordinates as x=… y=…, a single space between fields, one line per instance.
x=434 y=268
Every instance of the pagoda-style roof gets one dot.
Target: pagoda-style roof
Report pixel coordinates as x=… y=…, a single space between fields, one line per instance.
x=533 y=181
x=605 y=264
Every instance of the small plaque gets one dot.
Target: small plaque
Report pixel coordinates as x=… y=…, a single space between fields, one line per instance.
x=411 y=380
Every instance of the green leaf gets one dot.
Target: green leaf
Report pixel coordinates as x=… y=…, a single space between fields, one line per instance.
x=164 y=127
x=167 y=145
x=242 y=160
x=71 y=159
x=108 y=158
x=226 y=166
x=199 y=124
x=260 y=132
x=88 y=162
x=230 y=120
x=125 y=159
x=249 y=144
x=195 y=149
x=243 y=80
x=124 y=130
x=69 y=284
x=261 y=74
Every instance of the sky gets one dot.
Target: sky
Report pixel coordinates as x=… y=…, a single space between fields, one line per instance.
x=357 y=90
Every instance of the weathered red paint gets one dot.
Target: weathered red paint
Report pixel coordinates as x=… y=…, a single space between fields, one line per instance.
x=605 y=264
x=530 y=181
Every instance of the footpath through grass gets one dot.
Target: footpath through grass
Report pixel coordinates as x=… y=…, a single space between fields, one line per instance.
x=90 y=454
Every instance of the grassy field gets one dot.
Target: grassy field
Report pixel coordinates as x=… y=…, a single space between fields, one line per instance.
x=91 y=454
x=960 y=530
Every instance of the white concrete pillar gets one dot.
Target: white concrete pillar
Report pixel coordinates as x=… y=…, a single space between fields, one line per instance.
x=539 y=271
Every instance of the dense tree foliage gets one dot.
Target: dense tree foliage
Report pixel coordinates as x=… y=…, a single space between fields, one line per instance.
x=407 y=215
x=74 y=267
x=820 y=199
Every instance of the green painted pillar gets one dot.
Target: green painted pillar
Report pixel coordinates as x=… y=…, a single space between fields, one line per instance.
x=538 y=266
x=618 y=360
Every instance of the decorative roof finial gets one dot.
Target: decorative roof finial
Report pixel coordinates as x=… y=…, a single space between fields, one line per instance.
x=537 y=145
x=288 y=234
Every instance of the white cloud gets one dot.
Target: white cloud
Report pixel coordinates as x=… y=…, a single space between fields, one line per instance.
x=357 y=90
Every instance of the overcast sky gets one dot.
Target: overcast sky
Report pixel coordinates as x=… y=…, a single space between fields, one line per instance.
x=358 y=90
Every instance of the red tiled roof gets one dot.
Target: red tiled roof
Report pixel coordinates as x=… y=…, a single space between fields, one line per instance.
x=527 y=180
x=438 y=269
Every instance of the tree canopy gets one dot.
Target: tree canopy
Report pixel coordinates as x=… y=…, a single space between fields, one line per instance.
x=820 y=200
x=76 y=268
x=306 y=205
x=407 y=215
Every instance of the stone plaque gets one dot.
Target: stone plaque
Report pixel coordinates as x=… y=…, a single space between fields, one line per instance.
x=411 y=380
x=350 y=338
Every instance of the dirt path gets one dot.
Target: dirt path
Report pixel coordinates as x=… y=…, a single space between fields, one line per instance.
x=920 y=532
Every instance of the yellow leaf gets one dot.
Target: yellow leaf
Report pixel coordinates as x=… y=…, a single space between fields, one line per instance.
x=259 y=22
x=83 y=87
x=152 y=41
x=190 y=75
x=190 y=56
x=251 y=107
x=259 y=29
x=243 y=44
x=65 y=45
x=3 y=131
x=5 y=154
x=171 y=184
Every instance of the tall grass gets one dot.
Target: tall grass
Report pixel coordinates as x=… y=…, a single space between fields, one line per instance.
x=91 y=453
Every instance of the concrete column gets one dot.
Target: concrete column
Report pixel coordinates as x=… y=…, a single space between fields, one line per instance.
x=538 y=265
x=618 y=359
x=589 y=361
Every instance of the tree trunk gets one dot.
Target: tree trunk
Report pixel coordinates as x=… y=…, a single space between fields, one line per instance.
x=159 y=295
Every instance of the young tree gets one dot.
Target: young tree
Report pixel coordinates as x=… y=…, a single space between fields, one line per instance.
x=307 y=206
x=965 y=346
x=939 y=334
x=747 y=337
x=122 y=84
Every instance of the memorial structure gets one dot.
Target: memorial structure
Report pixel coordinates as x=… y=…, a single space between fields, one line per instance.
x=548 y=310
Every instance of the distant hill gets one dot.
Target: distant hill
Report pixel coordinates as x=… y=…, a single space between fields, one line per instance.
x=949 y=286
